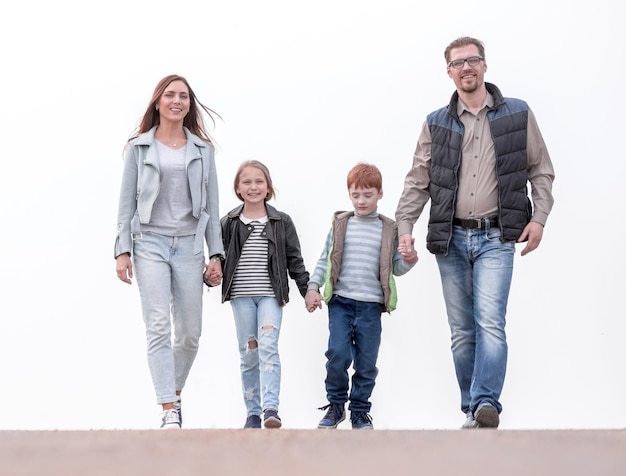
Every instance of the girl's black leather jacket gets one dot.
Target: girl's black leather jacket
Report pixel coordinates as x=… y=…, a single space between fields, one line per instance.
x=284 y=256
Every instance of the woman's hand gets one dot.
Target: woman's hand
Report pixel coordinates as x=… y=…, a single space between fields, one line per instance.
x=124 y=268
x=213 y=272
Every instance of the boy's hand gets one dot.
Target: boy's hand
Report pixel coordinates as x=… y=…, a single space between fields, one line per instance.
x=312 y=300
x=406 y=248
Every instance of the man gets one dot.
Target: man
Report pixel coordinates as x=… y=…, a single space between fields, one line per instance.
x=474 y=159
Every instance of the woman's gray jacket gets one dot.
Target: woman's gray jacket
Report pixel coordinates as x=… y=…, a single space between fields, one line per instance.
x=140 y=188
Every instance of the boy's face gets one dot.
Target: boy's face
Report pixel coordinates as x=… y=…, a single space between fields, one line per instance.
x=364 y=200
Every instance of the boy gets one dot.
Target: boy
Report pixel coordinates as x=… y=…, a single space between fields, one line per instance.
x=356 y=270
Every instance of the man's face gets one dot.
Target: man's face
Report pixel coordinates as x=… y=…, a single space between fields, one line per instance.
x=467 y=78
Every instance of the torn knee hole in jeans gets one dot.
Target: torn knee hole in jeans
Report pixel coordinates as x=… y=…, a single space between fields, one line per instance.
x=267 y=327
x=252 y=343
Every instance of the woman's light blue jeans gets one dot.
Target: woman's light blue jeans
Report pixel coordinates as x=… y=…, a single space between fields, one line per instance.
x=476 y=277
x=169 y=276
x=257 y=322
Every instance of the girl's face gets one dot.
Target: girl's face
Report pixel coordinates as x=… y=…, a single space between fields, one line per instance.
x=252 y=185
x=174 y=103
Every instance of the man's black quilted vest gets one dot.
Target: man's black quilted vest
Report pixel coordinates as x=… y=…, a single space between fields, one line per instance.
x=508 y=120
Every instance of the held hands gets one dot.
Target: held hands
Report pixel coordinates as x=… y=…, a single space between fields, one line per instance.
x=406 y=248
x=213 y=272
x=124 y=268
x=312 y=300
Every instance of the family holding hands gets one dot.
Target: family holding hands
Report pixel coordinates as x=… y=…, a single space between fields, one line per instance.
x=474 y=160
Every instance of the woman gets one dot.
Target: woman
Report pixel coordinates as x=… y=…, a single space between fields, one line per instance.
x=168 y=208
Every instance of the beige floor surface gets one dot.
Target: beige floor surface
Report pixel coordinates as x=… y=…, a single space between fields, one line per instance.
x=313 y=452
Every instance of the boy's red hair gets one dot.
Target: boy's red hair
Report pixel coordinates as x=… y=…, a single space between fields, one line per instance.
x=365 y=176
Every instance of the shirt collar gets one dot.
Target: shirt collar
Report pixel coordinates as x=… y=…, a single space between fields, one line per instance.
x=461 y=107
x=247 y=220
x=374 y=214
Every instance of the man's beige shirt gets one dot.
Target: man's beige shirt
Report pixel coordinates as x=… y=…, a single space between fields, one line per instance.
x=478 y=187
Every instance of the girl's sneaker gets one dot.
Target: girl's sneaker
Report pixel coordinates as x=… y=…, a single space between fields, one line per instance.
x=271 y=419
x=253 y=421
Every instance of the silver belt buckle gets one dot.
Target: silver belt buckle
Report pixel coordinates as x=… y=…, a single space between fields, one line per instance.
x=479 y=223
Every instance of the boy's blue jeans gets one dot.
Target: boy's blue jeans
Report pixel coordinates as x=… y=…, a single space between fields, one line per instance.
x=476 y=277
x=354 y=338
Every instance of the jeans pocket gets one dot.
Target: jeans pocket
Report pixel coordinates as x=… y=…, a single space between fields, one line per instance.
x=493 y=234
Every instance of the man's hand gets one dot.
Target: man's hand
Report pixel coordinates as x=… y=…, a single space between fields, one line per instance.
x=406 y=248
x=533 y=232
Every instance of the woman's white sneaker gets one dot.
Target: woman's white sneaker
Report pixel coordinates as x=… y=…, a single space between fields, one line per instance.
x=170 y=420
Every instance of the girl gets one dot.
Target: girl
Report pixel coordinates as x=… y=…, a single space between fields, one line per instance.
x=168 y=208
x=261 y=247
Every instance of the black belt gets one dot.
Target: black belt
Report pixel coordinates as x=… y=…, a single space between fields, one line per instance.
x=475 y=223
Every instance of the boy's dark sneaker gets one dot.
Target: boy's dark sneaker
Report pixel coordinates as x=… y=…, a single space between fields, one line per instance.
x=253 y=421
x=336 y=414
x=271 y=419
x=487 y=416
x=361 y=421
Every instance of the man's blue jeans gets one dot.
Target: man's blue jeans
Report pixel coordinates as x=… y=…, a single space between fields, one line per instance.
x=476 y=278
x=354 y=337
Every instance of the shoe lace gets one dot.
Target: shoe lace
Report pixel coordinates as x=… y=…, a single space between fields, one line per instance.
x=171 y=416
x=334 y=410
x=362 y=417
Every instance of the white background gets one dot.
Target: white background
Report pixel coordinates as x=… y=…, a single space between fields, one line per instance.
x=309 y=88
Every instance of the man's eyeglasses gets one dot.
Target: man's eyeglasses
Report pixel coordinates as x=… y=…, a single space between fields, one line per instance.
x=472 y=61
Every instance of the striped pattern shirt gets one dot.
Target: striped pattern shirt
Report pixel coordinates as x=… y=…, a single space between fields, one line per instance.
x=251 y=277
x=359 y=277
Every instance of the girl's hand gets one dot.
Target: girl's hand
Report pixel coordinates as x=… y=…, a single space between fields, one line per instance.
x=213 y=272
